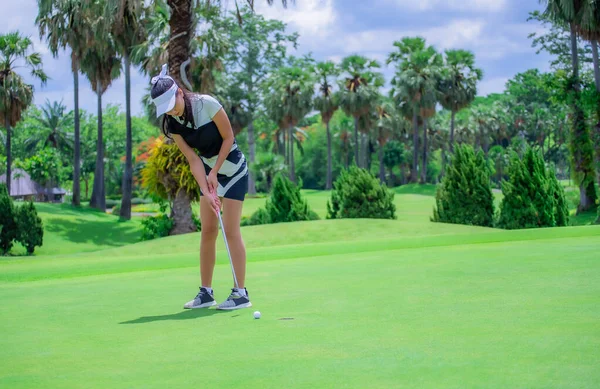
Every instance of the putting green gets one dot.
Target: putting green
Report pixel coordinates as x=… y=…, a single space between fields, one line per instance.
x=369 y=303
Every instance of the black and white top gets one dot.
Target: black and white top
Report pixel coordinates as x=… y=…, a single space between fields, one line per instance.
x=203 y=135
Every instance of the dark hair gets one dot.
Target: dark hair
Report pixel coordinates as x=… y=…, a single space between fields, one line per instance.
x=163 y=85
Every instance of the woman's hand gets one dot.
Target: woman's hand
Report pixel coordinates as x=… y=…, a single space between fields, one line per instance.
x=215 y=203
x=212 y=182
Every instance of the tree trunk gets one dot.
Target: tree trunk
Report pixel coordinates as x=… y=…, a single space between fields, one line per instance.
x=452 y=117
x=425 y=152
x=329 y=182
x=77 y=160
x=363 y=151
x=251 y=157
x=8 y=155
x=356 y=144
x=181 y=214
x=181 y=26
x=415 y=168
x=443 y=162
x=128 y=174
x=381 y=167
x=292 y=162
x=581 y=142
x=98 y=199
x=596 y=64
x=87 y=187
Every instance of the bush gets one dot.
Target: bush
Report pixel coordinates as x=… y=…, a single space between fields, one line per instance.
x=30 y=228
x=156 y=227
x=111 y=203
x=533 y=197
x=138 y=201
x=9 y=229
x=359 y=194
x=116 y=210
x=465 y=194
x=284 y=205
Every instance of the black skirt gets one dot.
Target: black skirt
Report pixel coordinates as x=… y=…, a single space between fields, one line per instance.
x=233 y=175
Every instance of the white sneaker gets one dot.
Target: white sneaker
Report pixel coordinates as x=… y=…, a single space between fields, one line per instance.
x=203 y=299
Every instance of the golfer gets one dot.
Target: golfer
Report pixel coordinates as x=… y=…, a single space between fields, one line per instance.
x=203 y=133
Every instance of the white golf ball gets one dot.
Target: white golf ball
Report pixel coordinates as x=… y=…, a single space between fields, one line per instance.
x=256 y=314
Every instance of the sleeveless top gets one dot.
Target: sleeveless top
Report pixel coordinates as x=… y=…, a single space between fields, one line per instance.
x=202 y=134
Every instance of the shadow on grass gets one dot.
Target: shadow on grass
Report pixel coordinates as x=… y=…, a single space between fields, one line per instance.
x=183 y=315
x=101 y=232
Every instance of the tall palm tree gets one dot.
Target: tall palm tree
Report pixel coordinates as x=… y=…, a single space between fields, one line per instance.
x=458 y=84
x=126 y=27
x=566 y=11
x=386 y=121
x=359 y=91
x=327 y=102
x=15 y=94
x=291 y=92
x=588 y=26
x=101 y=65
x=65 y=23
x=414 y=87
x=54 y=131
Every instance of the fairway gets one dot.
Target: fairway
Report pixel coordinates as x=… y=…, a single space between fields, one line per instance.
x=345 y=303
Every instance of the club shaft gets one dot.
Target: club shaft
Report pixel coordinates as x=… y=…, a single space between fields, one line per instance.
x=227 y=247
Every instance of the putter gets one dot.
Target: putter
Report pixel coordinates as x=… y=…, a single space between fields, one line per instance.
x=227 y=247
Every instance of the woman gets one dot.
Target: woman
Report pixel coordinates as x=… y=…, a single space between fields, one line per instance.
x=202 y=131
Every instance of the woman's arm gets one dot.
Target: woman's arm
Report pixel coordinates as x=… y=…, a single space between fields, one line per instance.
x=224 y=126
x=196 y=165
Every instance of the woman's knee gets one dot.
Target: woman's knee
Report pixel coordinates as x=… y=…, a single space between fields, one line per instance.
x=232 y=231
x=209 y=232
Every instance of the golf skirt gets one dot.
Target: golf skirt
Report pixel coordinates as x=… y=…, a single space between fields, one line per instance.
x=233 y=175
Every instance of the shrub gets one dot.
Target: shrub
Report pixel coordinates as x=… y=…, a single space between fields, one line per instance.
x=284 y=205
x=112 y=203
x=30 y=228
x=116 y=210
x=533 y=197
x=7 y=221
x=359 y=194
x=138 y=201
x=465 y=194
x=156 y=227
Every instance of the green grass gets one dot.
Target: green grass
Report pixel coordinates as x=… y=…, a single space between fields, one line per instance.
x=374 y=303
x=70 y=230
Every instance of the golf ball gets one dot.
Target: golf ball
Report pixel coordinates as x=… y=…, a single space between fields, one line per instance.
x=256 y=314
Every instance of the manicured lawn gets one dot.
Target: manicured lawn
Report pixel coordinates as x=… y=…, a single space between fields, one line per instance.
x=372 y=303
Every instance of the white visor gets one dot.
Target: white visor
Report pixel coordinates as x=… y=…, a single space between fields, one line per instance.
x=166 y=102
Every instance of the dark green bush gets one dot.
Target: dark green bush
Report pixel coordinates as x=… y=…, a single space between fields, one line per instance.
x=285 y=204
x=533 y=197
x=465 y=194
x=7 y=220
x=156 y=227
x=138 y=201
x=30 y=228
x=359 y=194
x=111 y=203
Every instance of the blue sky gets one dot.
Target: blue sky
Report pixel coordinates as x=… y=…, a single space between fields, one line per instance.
x=495 y=30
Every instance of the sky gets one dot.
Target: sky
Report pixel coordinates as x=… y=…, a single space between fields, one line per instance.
x=495 y=30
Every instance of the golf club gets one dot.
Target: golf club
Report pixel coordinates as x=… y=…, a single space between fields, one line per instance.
x=227 y=247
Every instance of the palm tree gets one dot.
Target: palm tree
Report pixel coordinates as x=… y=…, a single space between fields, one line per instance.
x=327 y=103
x=101 y=65
x=54 y=128
x=64 y=23
x=566 y=11
x=588 y=27
x=359 y=91
x=458 y=85
x=127 y=30
x=386 y=121
x=414 y=88
x=290 y=98
x=15 y=94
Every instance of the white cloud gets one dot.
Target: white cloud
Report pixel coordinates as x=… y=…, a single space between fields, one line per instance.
x=310 y=18
x=491 y=85
x=458 y=5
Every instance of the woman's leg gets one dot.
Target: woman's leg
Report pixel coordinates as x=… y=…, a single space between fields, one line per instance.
x=232 y=214
x=210 y=231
